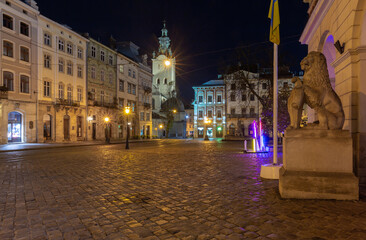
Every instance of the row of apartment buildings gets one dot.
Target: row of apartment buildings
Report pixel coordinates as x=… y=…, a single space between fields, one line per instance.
x=225 y=108
x=59 y=85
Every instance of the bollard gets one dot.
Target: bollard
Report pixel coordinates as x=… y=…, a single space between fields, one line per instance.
x=245 y=146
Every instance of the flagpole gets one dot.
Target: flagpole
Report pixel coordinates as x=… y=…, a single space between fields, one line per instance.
x=275 y=101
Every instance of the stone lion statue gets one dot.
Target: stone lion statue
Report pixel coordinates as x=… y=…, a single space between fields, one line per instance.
x=295 y=103
x=319 y=94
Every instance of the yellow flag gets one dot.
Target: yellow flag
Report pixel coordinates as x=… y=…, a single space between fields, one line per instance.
x=274 y=15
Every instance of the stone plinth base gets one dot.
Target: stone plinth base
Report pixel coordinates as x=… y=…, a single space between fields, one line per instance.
x=318 y=185
x=270 y=171
x=318 y=164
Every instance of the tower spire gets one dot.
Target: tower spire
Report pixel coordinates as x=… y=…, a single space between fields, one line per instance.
x=164 y=41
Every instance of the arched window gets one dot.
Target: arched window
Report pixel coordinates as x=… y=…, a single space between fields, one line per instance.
x=165 y=81
x=8 y=78
x=158 y=81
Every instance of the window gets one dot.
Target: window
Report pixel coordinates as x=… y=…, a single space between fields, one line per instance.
x=110 y=77
x=232 y=97
x=133 y=89
x=69 y=68
x=200 y=114
x=285 y=85
x=8 y=49
x=158 y=81
x=80 y=53
x=121 y=102
x=232 y=111
x=251 y=111
x=47 y=61
x=121 y=68
x=92 y=72
x=7 y=21
x=61 y=45
x=133 y=106
x=61 y=65
x=110 y=60
x=129 y=88
x=243 y=111
x=233 y=86
x=80 y=72
x=133 y=74
x=102 y=97
x=102 y=75
x=200 y=99
x=92 y=94
x=218 y=113
x=142 y=116
x=252 y=98
x=121 y=85
x=147 y=116
x=209 y=99
x=24 y=54
x=93 y=51
x=8 y=80
x=219 y=98
x=80 y=94
x=47 y=39
x=264 y=85
x=79 y=123
x=69 y=93
x=102 y=56
x=165 y=81
x=24 y=29
x=46 y=88
x=69 y=48
x=61 y=91
x=153 y=103
x=244 y=97
x=209 y=113
x=24 y=84
x=129 y=72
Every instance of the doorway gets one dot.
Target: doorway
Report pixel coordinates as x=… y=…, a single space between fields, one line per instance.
x=14 y=127
x=47 y=127
x=94 y=132
x=66 y=127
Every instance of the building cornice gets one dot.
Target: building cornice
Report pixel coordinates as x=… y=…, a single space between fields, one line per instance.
x=347 y=54
x=315 y=20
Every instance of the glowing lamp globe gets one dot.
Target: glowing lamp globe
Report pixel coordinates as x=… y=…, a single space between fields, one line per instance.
x=167 y=62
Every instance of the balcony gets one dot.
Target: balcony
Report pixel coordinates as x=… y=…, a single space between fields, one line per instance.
x=3 y=92
x=102 y=104
x=147 y=89
x=67 y=102
x=250 y=115
x=147 y=105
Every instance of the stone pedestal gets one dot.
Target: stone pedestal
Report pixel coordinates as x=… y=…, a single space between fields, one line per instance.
x=318 y=164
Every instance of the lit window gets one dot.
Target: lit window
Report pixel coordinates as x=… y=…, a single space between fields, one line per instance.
x=24 y=54
x=8 y=49
x=24 y=29
x=121 y=68
x=24 y=84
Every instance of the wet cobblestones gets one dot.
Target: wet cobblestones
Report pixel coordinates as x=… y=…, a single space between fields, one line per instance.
x=172 y=189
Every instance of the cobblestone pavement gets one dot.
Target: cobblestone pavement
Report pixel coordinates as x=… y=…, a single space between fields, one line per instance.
x=169 y=189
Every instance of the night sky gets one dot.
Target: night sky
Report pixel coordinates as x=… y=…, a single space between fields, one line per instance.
x=205 y=34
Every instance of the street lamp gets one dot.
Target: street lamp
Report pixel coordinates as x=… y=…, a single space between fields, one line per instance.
x=174 y=110
x=207 y=121
x=107 y=137
x=167 y=62
x=127 y=112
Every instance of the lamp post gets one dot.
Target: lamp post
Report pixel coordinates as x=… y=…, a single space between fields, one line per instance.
x=127 y=112
x=107 y=137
